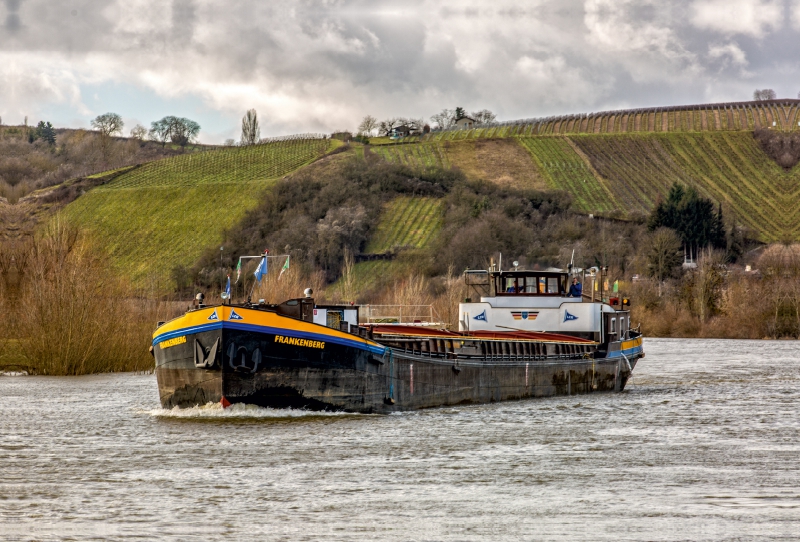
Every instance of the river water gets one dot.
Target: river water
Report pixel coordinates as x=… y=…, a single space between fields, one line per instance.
x=703 y=445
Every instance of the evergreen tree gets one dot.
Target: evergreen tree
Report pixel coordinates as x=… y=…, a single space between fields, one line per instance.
x=692 y=217
x=44 y=130
x=460 y=113
x=47 y=132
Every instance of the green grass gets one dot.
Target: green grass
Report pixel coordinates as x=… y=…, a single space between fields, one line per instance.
x=166 y=213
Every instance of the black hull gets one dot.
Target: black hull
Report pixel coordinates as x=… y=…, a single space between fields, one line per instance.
x=352 y=379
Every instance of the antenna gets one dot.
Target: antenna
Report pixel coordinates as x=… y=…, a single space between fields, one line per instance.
x=500 y=264
x=572 y=261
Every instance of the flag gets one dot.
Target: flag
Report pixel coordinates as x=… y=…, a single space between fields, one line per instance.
x=284 y=268
x=238 y=270
x=261 y=270
x=227 y=294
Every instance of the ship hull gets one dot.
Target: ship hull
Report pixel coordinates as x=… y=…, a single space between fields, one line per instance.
x=282 y=363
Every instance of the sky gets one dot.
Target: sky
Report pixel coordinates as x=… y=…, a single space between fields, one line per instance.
x=320 y=66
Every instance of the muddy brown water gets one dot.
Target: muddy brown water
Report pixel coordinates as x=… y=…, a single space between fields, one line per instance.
x=703 y=445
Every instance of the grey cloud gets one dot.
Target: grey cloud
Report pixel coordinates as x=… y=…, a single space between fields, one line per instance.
x=318 y=64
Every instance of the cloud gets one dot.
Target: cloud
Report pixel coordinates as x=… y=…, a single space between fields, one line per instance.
x=321 y=65
x=795 y=14
x=749 y=17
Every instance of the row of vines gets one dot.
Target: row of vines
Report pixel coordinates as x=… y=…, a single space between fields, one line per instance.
x=230 y=164
x=407 y=222
x=738 y=116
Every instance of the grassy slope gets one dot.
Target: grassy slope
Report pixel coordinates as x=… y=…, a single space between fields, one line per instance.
x=165 y=213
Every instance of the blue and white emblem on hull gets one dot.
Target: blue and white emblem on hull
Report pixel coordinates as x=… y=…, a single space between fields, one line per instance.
x=214 y=315
x=481 y=317
x=568 y=316
x=234 y=316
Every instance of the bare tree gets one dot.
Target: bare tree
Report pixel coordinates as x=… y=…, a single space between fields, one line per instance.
x=483 y=116
x=764 y=94
x=663 y=255
x=184 y=131
x=230 y=142
x=251 y=131
x=139 y=132
x=386 y=126
x=368 y=125
x=444 y=119
x=179 y=130
x=107 y=124
x=160 y=130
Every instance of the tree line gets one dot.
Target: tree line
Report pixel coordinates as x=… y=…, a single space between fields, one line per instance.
x=444 y=120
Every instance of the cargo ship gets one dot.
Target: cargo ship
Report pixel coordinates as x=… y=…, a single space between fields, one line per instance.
x=523 y=336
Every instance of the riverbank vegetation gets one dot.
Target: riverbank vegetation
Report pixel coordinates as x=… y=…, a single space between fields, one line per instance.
x=67 y=312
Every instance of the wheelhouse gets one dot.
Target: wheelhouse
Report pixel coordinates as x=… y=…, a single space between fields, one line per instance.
x=530 y=283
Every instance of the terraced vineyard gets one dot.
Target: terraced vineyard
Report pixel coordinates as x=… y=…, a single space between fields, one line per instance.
x=407 y=222
x=165 y=213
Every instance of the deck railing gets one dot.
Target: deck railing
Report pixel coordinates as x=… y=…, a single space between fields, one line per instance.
x=399 y=314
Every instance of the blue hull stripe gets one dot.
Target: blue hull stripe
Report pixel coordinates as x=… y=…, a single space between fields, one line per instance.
x=271 y=330
x=628 y=352
x=187 y=331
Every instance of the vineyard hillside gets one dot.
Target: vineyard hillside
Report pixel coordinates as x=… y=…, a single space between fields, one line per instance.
x=161 y=216
x=783 y=115
x=623 y=175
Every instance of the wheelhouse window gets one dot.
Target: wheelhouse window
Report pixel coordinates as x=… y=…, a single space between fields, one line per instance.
x=517 y=283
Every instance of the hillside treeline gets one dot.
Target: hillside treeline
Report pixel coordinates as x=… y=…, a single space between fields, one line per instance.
x=318 y=216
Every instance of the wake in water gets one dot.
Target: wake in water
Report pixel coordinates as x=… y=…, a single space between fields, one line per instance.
x=214 y=411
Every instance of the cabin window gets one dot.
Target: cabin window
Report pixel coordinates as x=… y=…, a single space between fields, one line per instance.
x=613 y=326
x=552 y=285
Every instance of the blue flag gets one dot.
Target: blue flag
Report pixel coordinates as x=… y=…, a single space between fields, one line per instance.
x=261 y=270
x=227 y=294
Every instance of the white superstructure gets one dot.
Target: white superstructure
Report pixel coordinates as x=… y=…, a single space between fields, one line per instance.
x=539 y=301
